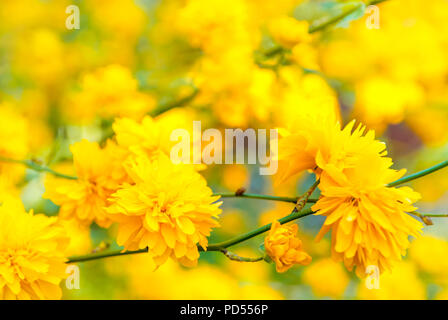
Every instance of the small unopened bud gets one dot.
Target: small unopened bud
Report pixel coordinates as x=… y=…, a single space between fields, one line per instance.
x=240 y=191
x=427 y=220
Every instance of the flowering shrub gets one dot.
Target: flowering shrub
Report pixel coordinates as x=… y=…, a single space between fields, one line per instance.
x=93 y=100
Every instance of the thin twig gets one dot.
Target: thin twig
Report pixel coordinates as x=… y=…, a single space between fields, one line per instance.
x=314 y=27
x=235 y=257
x=305 y=197
x=174 y=104
x=32 y=164
x=419 y=174
x=260 y=197
x=213 y=247
x=426 y=218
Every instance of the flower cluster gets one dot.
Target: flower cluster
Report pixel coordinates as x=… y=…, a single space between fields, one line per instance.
x=87 y=119
x=98 y=175
x=367 y=218
x=164 y=207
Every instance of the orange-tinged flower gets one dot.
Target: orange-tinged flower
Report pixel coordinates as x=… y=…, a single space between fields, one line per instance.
x=32 y=261
x=99 y=174
x=368 y=220
x=167 y=208
x=284 y=247
x=315 y=142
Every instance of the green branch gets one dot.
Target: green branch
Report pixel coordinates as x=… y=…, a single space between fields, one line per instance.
x=246 y=236
x=419 y=174
x=326 y=21
x=33 y=165
x=260 y=197
x=426 y=218
x=303 y=200
x=174 y=104
x=434 y=215
x=101 y=255
x=213 y=247
x=235 y=257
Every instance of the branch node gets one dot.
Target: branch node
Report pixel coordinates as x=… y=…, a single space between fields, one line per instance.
x=427 y=220
x=240 y=192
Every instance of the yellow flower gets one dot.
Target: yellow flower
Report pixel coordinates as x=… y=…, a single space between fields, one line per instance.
x=368 y=221
x=429 y=253
x=235 y=176
x=79 y=235
x=127 y=25
x=108 y=92
x=288 y=31
x=133 y=135
x=305 y=56
x=171 y=281
x=402 y=283
x=380 y=101
x=14 y=141
x=319 y=143
x=435 y=134
x=41 y=55
x=302 y=95
x=8 y=190
x=297 y=150
x=403 y=65
x=284 y=247
x=167 y=208
x=98 y=177
x=206 y=23
x=13 y=132
x=152 y=135
x=32 y=261
x=326 y=278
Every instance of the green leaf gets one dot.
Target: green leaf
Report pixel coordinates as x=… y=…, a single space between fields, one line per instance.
x=323 y=14
x=355 y=15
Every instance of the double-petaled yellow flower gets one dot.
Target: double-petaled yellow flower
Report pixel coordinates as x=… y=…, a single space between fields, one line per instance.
x=32 y=261
x=99 y=173
x=368 y=219
x=152 y=136
x=167 y=208
x=284 y=247
x=314 y=142
x=288 y=31
x=108 y=92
